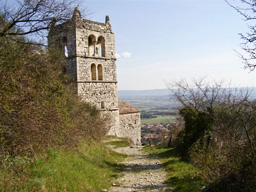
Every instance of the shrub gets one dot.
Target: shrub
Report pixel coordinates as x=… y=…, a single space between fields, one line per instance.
x=197 y=123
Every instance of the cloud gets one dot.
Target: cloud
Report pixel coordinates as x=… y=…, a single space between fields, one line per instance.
x=118 y=55
x=126 y=54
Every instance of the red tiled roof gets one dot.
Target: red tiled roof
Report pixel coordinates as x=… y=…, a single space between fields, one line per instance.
x=125 y=108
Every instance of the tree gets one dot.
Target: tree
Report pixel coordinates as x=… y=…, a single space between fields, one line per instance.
x=33 y=16
x=247 y=8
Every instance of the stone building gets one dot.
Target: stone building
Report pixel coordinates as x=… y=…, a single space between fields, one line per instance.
x=129 y=122
x=89 y=48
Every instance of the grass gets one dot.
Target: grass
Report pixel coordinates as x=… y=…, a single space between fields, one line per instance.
x=182 y=176
x=159 y=119
x=120 y=142
x=91 y=168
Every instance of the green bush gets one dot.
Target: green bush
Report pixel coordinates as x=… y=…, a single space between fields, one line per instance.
x=197 y=124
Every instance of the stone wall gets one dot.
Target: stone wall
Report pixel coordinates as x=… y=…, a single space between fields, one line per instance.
x=84 y=68
x=130 y=127
x=114 y=122
x=97 y=92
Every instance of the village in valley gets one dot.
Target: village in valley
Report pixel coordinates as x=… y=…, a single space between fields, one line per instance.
x=157 y=134
x=160 y=119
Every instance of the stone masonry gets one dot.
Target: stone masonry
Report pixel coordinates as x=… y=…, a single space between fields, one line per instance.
x=89 y=48
x=129 y=121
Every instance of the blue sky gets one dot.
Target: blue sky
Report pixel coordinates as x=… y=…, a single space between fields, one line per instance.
x=166 y=40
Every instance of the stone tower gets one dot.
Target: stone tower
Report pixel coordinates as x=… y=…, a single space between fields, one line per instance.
x=89 y=48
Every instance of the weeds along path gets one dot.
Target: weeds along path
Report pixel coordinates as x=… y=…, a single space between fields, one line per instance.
x=141 y=172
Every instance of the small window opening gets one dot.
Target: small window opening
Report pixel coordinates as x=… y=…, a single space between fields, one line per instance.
x=100 y=74
x=65 y=43
x=66 y=51
x=102 y=104
x=135 y=122
x=93 y=72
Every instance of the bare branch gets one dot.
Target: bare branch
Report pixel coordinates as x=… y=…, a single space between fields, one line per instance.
x=247 y=8
x=33 y=16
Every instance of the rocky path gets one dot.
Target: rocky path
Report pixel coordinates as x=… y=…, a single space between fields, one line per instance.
x=141 y=172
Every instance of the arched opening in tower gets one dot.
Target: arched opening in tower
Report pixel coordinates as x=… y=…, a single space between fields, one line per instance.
x=93 y=71
x=91 y=45
x=100 y=72
x=101 y=46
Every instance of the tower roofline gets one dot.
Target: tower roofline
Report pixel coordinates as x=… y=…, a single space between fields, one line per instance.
x=93 y=22
x=78 y=21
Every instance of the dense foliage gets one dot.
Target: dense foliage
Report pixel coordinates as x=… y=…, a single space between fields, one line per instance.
x=37 y=107
x=197 y=123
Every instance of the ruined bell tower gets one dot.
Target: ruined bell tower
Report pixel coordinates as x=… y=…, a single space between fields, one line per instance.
x=89 y=48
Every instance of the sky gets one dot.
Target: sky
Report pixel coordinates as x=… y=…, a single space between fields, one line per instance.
x=161 y=41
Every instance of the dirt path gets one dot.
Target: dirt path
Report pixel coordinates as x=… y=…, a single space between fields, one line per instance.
x=141 y=172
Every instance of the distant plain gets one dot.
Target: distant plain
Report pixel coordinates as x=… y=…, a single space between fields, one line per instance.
x=161 y=100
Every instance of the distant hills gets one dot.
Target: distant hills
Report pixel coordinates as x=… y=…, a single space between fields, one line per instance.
x=166 y=93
